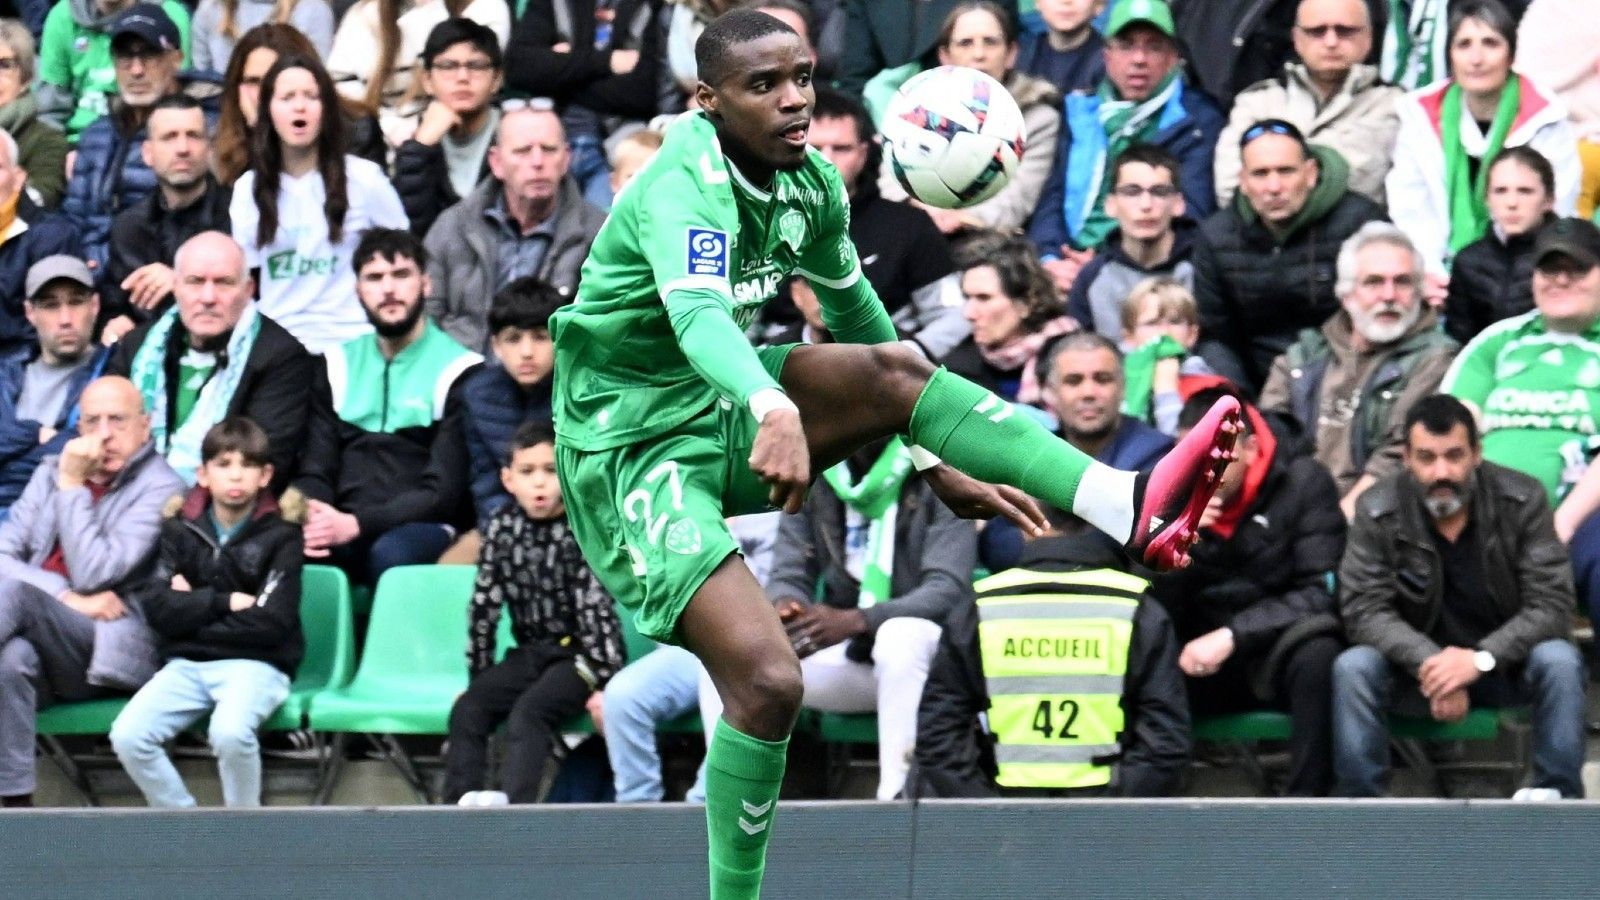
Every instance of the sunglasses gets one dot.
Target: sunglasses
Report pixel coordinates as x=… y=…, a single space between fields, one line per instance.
x=1261 y=128
x=1320 y=32
x=537 y=104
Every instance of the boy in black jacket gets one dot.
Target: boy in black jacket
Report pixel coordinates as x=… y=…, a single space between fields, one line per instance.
x=569 y=642
x=225 y=599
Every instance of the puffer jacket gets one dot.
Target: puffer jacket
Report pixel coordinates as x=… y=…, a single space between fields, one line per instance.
x=1269 y=581
x=33 y=235
x=465 y=250
x=110 y=174
x=1418 y=199
x=263 y=559
x=1391 y=586
x=1360 y=122
x=20 y=450
x=422 y=179
x=1491 y=279
x=1256 y=291
x=494 y=406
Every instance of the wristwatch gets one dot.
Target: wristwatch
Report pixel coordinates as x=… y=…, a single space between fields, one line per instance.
x=1484 y=660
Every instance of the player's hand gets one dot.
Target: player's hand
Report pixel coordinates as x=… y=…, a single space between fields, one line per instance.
x=970 y=498
x=818 y=626
x=782 y=459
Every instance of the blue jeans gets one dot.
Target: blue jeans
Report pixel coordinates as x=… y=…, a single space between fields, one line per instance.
x=239 y=693
x=659 y=686
x=411 y=544
x=590 y=169
x=1552 y=681
x=1585 y=552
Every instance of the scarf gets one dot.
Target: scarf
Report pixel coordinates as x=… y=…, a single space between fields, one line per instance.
x=1139 y=373
x=149 y=374
x=1024 y=351
x=1103 y=126
x=877 y=498
x=1414 y=52
x=1469 y=209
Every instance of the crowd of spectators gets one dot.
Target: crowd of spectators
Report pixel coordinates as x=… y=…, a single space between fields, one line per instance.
x=276 y=282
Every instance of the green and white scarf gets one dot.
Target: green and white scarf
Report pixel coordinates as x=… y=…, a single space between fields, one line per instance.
x=1414 y=51
x=149 y=375
x=1468 y=197
x=877 y=498
x=1126 y=122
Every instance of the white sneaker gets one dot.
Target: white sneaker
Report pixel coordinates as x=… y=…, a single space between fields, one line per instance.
x=470 y=798
x=1536 y=795
x=493 y=798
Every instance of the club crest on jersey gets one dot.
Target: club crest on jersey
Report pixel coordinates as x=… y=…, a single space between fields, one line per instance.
x=708 y=252
x=792 y=228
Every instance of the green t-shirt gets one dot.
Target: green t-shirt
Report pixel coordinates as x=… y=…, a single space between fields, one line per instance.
x=194 y=370
x=1538 y=393
x=77 y=59
x=689 y=255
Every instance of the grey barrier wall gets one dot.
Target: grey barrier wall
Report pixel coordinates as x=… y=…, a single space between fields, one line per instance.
x=935 y=849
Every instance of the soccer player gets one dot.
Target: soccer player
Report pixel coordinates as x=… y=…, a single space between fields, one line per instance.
x=667 y=419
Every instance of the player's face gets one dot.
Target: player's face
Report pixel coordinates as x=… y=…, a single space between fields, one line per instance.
x=1517 y=198
x=837 y=141
x=527 y=353
x=1088 y=390
x=763 y=107
x=530 y=479
x=979 y=42
x=392 y=291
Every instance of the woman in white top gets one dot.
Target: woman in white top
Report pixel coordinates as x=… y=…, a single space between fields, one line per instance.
x=301 y=208
x=377 y=46
x=218 y=24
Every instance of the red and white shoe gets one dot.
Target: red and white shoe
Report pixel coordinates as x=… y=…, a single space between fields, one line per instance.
x=1171 y=499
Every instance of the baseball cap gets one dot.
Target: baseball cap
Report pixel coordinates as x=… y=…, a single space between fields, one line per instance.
x=1155 y=13
x=148 y=21
x=50 y=268
x=1577 y=238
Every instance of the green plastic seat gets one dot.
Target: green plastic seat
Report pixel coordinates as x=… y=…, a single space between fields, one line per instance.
x=1243 y=727
x=414 y=663
x=330 y=658
x=84 y=717
x=848 y=728
x=1479 y=725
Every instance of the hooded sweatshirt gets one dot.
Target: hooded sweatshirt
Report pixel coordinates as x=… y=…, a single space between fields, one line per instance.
x=76 y=75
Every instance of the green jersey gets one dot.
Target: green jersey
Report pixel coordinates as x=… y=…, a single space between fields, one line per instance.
x=1539 y=395
x=689 y=255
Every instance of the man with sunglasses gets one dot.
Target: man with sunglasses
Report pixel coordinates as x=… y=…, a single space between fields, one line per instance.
x=1264 y=264
x=1330 y=94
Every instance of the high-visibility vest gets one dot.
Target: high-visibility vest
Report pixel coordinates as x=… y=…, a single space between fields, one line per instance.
x=1055 y=658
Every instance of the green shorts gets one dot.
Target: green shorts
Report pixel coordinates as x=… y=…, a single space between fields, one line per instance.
x=650 y=517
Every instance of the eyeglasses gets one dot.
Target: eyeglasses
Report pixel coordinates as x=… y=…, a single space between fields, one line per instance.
x=1320 y=32
x=452 y=66
x=1261 y=128
x=1135 y=191
x=537 y=104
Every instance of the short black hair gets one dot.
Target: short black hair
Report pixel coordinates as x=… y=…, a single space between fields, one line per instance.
x=460 y=30
x=178 y=101
x=734 y=27
x=1531 y=159
x=236 y=434
x=1200 y=403
x=1151 y=155
x=525 y=303
x=391 y=244
x=1438 y=415
x=531 y=433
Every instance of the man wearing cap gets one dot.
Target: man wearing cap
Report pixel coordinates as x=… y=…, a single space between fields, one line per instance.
x=27 y=235
x=82 y=533
x=110 y=174
x=1144 y=99
x=1534 y=382
x=1264 y=266
x=39 y=389
x=77 y=76
x=213 y=355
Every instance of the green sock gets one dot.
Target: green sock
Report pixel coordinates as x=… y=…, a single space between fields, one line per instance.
x=976 y=432
x=743 y=775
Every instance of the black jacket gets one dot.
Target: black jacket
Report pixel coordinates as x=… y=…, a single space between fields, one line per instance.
x=263 y=559
x=47 y=234
x=1256 y=292
x=583 y=76
x=148 y=232
x=1391 y=587
x=277 y=390
x=1490 y=280
x=422 y=179
x=1269 y=581
x=955 y=758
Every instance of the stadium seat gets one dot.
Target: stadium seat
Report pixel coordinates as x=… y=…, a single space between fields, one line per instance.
x=330 y=657
x=87 y=717
x=413 y=666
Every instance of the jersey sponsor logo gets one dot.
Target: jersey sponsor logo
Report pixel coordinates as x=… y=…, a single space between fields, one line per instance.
x=809 y=196
x=757 y=290
x=290 y=264
x=708 y=252
x=1564 y=410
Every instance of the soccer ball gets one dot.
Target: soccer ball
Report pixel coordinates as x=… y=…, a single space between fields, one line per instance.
x=953 y=137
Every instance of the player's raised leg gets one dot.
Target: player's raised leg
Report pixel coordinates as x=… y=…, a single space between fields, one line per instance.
x=732 y=628
x=851 y=394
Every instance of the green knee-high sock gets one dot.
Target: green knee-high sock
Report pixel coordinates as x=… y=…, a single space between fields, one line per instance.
x=975 y=431
x=743 y=775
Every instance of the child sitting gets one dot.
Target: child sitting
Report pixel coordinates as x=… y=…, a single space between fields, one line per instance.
x=225 y=601
x=1160 y=326
x=569 y=641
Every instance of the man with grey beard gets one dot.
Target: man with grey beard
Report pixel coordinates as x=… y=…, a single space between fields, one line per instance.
x=1346 y=387
x=1457 y=593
